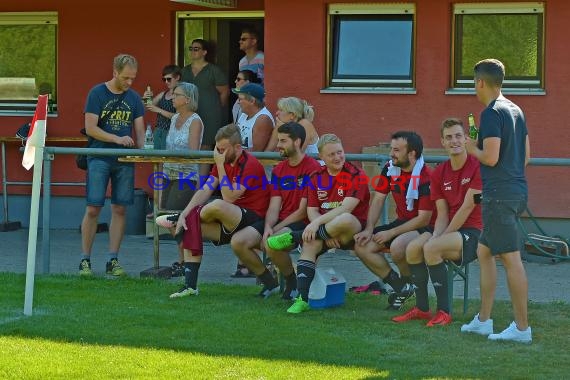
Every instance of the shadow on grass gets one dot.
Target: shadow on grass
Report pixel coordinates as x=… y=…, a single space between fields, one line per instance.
x=229 y=321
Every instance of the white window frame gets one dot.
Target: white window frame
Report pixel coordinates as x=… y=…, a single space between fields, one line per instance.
x=368 y=85
x=26 y=105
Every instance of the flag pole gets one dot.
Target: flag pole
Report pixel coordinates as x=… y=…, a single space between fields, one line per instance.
x=33 y=231
x=34 y=156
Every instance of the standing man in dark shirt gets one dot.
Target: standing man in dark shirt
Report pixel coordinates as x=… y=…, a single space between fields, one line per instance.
x=126 y=113
x=503 y=149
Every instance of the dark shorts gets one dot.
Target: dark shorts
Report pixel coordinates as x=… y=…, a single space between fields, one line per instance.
x=347 y=246
x=470 y=238
x=396 y=223
x=248 y=218
x=295 y=226
x=500 y=224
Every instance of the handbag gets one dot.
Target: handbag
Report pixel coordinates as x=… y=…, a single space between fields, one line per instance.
x=81 y=159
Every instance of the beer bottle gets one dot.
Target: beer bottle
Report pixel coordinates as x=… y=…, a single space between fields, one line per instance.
x=148 y=98
x=473 y=131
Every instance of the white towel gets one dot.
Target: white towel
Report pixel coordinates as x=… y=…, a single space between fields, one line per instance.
x=412 y=193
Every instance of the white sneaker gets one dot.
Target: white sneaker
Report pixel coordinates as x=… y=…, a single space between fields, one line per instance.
x=478 y=327
x=184 y=292
x=514 y=334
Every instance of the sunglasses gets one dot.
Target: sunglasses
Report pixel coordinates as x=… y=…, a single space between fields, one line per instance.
x=194 y=48
x=245 y=38
x=167 y=79
x=239 y=79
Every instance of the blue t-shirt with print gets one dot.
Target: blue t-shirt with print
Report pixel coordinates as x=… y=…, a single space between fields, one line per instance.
x=505 y=120
x=101 y=101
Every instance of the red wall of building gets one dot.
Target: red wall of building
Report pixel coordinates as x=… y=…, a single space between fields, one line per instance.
x=295 y=63
x=91 y=33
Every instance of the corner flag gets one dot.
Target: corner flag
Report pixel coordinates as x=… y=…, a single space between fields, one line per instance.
x=37 y=133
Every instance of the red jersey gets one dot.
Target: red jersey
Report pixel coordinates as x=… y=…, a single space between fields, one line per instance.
x=327 y=192
x=452 y=185
x=288 y=183
x=398 y=186
x=249 y=173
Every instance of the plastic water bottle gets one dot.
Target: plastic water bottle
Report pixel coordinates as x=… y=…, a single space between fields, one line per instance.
x=148 y=138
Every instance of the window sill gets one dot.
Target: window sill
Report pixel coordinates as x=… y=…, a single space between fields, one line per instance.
x=505 y=91
x=368 y=90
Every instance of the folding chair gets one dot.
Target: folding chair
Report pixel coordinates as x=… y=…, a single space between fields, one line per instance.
x=457 y=273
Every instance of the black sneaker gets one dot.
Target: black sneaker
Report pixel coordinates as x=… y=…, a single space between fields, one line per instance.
x=267 y=292
x=177 y=269
x=113 y=268
x=289 y=294
x=398 y=299
x=85 y=268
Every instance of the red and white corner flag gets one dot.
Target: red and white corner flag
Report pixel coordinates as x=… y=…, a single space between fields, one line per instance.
x=37 y=133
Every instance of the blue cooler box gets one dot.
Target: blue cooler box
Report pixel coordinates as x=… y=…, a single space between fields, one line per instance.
x=327 y=289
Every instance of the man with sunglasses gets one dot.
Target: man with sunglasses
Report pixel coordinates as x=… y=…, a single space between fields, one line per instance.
x=254 y=58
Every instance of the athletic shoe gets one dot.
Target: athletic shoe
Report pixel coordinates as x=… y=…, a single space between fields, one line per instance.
x=266 y=292
x=289 y=294
x=280 y=242
x=177 y=269
x=167 y=221
x=299 y=306
x=113 y=268
x=397 y=300
x=441 y=319
x=413 y=313
x=478 y=327
x=184 y=292
x=512 y=333
x=85 y=268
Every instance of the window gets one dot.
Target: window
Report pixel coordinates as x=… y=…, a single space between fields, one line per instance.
x=28 y=52
x=510 y=32
x=371 y=46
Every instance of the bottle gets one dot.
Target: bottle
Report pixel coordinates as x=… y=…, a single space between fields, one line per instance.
x=473 y=132
x=148 y=96
x=148 y=138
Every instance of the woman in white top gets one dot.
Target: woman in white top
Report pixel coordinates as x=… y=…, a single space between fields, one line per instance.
x=185 y=134
x=298 y=110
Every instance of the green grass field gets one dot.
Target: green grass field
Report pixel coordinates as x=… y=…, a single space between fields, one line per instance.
x=129 y=328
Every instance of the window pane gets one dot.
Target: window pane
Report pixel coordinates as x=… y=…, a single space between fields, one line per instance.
x=387 y=57
x=515 y=39
x=28 y=56
x=28 y=61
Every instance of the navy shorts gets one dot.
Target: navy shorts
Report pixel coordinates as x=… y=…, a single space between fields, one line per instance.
x=500 y=224
x=248 y=218
x=396 y=223
x=470 y=238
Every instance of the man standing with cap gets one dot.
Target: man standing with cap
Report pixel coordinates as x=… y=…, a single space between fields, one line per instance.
x=256 y=122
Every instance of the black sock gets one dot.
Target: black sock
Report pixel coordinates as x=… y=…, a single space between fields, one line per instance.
x=406 y=279
x=191 y=274
x=322 y=233
x=305 y=275
x=291 y=281
x=420 y=280
x=393 y=279
x=297 y=237
x=438 y=274
x=267 y=279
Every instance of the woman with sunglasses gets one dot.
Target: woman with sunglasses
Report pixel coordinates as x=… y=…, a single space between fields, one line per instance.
x=243 y=77
x=214 y=91
x=162 y=105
